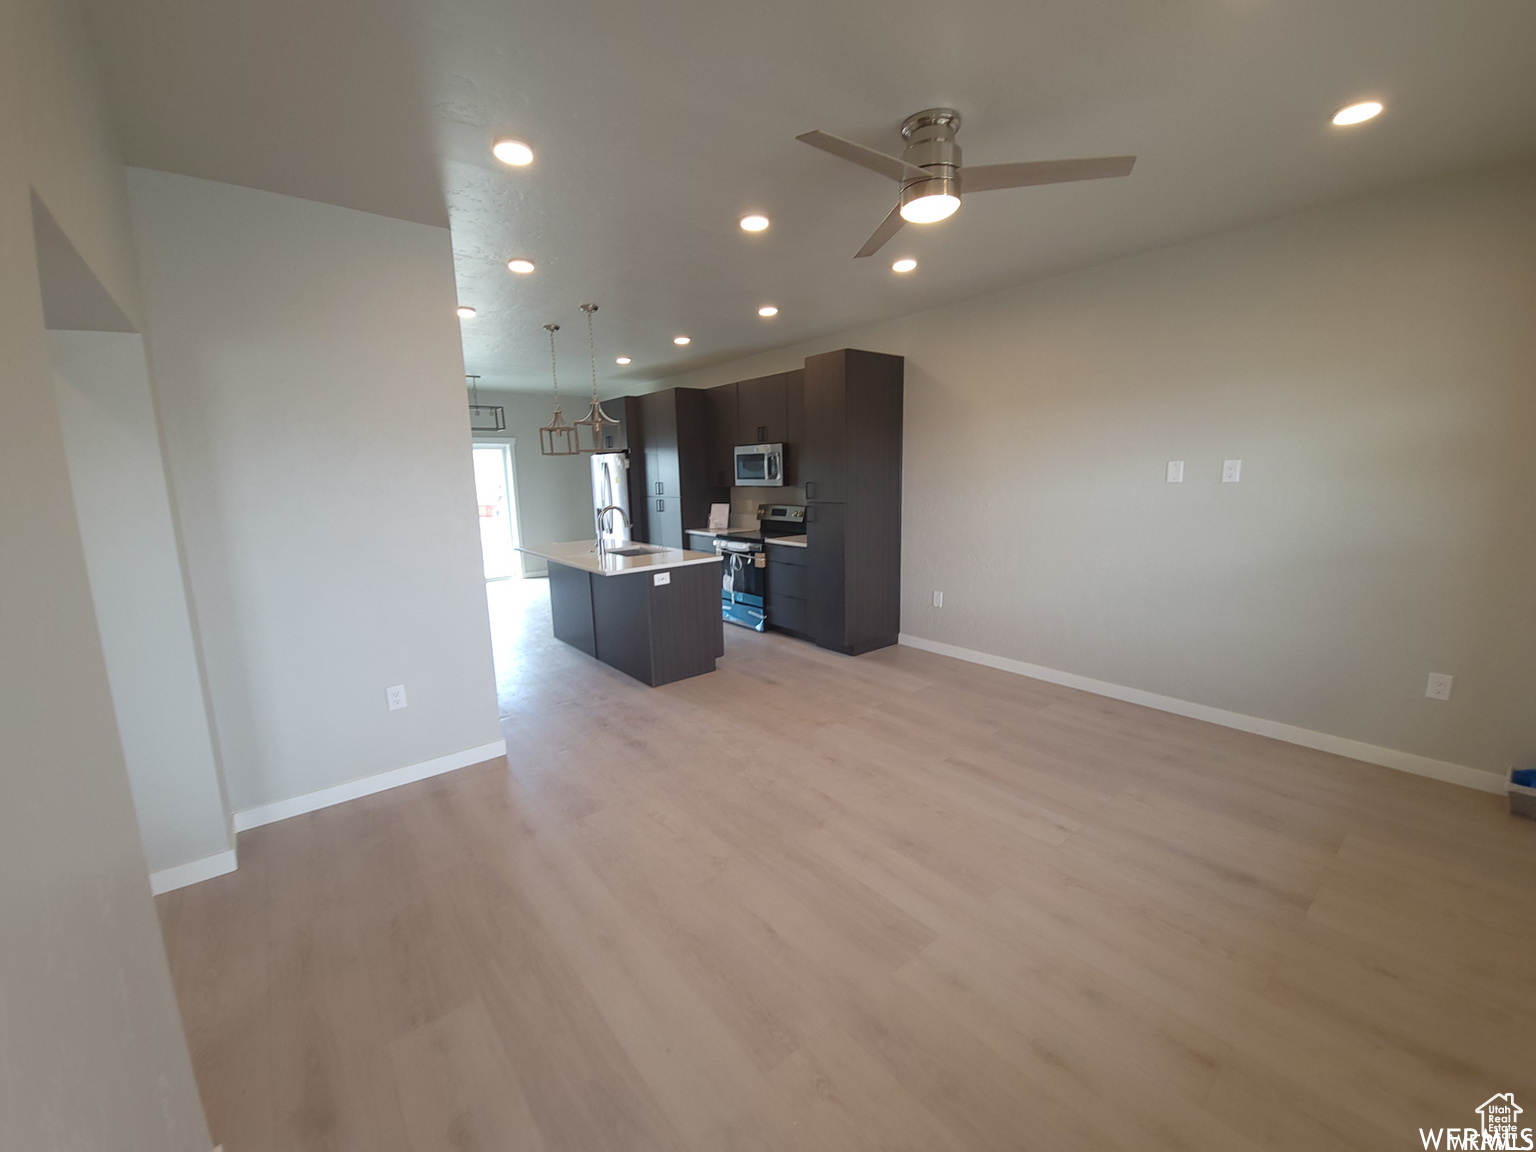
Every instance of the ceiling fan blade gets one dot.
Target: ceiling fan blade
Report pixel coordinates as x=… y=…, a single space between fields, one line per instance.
x=888 y=228
x=864 y=157
x=987 y=177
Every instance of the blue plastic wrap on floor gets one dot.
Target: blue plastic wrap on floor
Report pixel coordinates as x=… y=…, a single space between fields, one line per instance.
x=747 y=611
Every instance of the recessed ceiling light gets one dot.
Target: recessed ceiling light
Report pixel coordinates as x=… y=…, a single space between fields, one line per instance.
x=905 y=264
x=767 y=310
x=622 y=360
x=680 y=340
x=754 y=223
x=511 y=151
x=520 y=266
x=1357 y=113
x=928 y=209
x=466 y=312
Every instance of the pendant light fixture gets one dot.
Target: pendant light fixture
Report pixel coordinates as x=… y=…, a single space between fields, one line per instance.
x=598 y=424
x=557 y=438
x=484 y=417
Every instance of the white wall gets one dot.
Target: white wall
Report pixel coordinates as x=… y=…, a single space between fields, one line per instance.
x=117 y=476
x=92 y=1053
x=554 y=493
x=1373 y=364
x=307 y=368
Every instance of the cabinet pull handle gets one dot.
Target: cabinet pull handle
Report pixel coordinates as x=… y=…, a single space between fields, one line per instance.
x=810 y=515
x=810 y=491
x=661 y=505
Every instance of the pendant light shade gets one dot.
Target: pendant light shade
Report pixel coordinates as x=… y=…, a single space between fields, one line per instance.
x=484 y=417
x=559 y=436
x=596 y=428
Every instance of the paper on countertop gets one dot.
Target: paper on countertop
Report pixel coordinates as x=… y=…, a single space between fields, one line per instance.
x=719 y=517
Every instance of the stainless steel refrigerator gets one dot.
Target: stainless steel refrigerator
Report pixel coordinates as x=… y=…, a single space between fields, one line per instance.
x=610 y=485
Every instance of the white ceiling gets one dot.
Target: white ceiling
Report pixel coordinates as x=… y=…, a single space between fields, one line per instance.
x=656 y=125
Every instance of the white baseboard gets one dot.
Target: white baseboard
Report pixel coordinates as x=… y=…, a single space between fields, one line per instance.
x=1322 y=741
x=192 y=872
x=367 y=786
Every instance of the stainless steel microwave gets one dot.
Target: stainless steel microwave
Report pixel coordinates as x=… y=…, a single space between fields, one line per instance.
x=759 y=466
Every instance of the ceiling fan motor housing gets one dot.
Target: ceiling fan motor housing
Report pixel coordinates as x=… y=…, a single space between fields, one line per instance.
x=930 y=137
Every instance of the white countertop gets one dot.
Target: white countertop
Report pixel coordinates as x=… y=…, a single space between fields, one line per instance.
x=582 y=554
x=790 y=541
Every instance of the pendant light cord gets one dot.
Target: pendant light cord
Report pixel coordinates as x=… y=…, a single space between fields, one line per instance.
x=591 y=346
x=553 y=375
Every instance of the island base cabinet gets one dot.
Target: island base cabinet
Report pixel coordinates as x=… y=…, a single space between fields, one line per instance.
x=570 y=607
x=655 y=632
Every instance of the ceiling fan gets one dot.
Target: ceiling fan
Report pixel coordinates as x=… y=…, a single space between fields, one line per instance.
x=931 y=175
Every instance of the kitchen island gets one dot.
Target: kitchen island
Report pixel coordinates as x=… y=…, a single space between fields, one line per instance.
x=651 y=612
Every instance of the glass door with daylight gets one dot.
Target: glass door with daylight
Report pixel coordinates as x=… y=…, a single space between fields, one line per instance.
x=498 y=510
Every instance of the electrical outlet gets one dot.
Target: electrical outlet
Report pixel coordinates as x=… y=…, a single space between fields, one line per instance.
x=1439 y=686
x=396 y=697
x=1231 y=471
x=938 y=599
x=1175 y=471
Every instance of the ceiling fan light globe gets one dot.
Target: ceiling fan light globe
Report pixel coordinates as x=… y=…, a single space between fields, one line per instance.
x=936 y=198
x=930 y=209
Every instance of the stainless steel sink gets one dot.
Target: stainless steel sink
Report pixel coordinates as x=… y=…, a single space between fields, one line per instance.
x=637 y=550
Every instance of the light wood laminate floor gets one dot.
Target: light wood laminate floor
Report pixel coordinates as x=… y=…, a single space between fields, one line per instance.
x=892 y=902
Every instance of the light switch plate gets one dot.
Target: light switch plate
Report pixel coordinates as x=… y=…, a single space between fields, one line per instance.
x=1231 y=471
x=938 y=599
x=396 y=697
x=661 y=578
x=1175 y=471
x=1438 y=687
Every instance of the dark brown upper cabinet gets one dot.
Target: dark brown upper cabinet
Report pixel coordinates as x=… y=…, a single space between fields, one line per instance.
x=824 y=444
x=721 y=405
x=762 y=410
x=794 y=425
x=672 y=460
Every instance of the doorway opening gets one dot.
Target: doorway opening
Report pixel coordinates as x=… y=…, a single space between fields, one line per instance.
x=497 y=497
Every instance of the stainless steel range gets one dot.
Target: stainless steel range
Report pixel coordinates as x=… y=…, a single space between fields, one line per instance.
x=743 y=578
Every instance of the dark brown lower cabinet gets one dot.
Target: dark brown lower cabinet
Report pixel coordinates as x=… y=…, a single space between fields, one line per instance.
x=825 y=575
x=787 y=581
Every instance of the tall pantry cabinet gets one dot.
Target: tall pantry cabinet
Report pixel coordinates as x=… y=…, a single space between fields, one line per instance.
x=850 y=467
